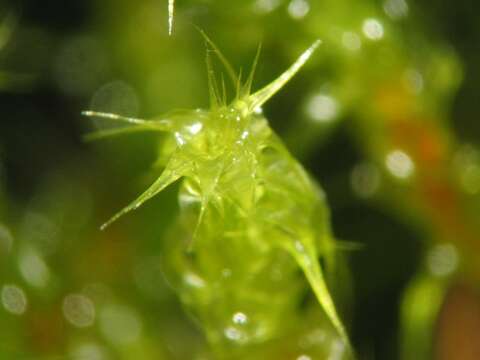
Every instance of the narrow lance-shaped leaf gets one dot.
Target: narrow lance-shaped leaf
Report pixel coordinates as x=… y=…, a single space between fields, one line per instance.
x=139 y=125
x=317 y=281
x=168 y=177
x=212 y=83
x=248 y=85
x=228 y=67
x=259 y=98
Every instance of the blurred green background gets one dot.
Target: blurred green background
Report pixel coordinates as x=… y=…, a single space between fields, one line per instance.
x=385 y=116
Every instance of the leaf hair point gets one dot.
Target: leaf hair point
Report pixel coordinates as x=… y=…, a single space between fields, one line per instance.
x=138 y=125
x=168 y=177
x=171 y=10
x=248 y=85
x=115 y=117
x=213 y=47
x=259 y=98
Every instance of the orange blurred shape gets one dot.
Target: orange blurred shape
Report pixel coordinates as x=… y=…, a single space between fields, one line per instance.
x=457 y=334
x=423 y=141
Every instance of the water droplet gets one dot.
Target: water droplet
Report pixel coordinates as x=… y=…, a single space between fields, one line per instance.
x=299 y=246
x=179 y=139
x=373 y=29
x=265 y=6
x=298 y=9
x=33 y=268
x=396 y=9
x=38 y=229
x=234 y=334
x=79 y=310
x=399 y=164
x=88 y=351
x=365 y=180
x=14 y=299
x=240 y=318
x=120 y=324
x=322 y=108
x=442 y=259
x=304 y=357
x=413 y=81
x=195 y=128
x=194 y=280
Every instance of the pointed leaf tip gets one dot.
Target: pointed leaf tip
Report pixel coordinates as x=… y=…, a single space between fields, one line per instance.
x=248 y=84
x=171 y=10
x=259 y=98
x=115 y=117
x=228 y=67
x=168 y=177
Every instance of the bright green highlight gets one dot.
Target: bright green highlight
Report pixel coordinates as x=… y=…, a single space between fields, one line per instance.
x=171 y=10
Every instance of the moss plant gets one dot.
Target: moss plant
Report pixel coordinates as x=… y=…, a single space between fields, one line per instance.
x=250 y=216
